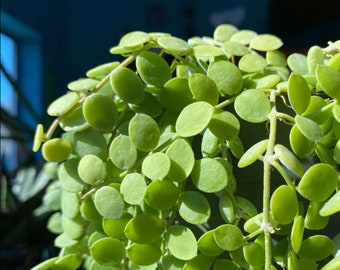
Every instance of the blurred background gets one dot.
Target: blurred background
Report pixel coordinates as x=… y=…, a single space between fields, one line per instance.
x=46 y=44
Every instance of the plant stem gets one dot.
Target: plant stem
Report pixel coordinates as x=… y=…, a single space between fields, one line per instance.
x=267 y=226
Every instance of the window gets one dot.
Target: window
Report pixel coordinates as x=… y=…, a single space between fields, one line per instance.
x=21 y=60
x=8 y=100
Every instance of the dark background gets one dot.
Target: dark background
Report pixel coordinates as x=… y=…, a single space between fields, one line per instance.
x=77 y=34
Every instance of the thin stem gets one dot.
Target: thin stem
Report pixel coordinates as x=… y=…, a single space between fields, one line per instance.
x=267 y=227
x=283 y=173
x=225 y=103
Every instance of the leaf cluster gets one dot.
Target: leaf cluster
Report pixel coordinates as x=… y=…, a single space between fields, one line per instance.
x=150 y=145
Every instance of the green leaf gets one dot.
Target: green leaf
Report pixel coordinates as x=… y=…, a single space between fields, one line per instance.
x=315 y=57
x=313 y=220
x=206 y=50
x=91 y=169
x=107 y=251
x=102 y=69
x=38 y=137
x=115 y=227
x=265 y=42
x=69 y=177
x=243 y=37
x=135 y=39
x=226 y=207
x=194 y=208
x=207 y=244
x=182 y=160
x=297 y=233
x=284 y=204
x=203 y=88
x=152 y=68
x=309 y=128
x=181 y=242
x=319 y=182
x=144 y=254
x=144 y=132
x=70 y=204
x=69 y=261
x=224 y=125
x=253 y=153
x=133 y=188
x=234 y=48
x=276 y=59
x=251 y=62
x=127 y=85
x=228 y=237
x=63 y=104
x=297 y=62
x=224 y=32
x=222 y=264
x=150 y=105
x=56 y=150
x=329 y=80
x=123 y=152
x=175 y=95
x=316 y=248
x=174 y=45
x=144 y=229
x=109 y=202
x=209 y=175
x=194 y=118
x=300 y=145
x=331 y=206
x=298 y=93
x=83 y=85
x=100 y=112
x=227 y=77
x=268 y=81
x=74 y=121
x=156 y=166
x=253 y=106
x=162 y=195
x=73 y=228
x=254 y=254
x=288 y=159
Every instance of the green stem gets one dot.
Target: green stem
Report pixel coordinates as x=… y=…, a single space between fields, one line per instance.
x=283 y=173
x=267 y=227
x=225 y=103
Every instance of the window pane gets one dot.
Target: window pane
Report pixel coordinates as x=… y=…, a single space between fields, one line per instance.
x=8 y=100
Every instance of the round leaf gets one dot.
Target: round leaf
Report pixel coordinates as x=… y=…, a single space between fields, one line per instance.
x=300 y=145
x=144 y=132
x=253 y=153
x=123 y=152
x=209 y=175
x=193 y=119
x=194 y=207
x=243 y=37
x=228 y=237
x=316 y=248
x=182 y=160
x=127 y=85
x=134 y=39
x=318 y=182
x=203 y=88
x=107 y=251
x=297 y=233
x=152 y=68
x=109 y=202
x=284 y=204
x=251 y=62
x=91 y=169
x=100 y=112
x=227 y=76
x=207 y=244
x=161 y=195
x=265 y=42
x=181 y=242
x=144 y=229
x=253 y=106
x=331 y=206
x=63 y=104
x=309 y=128
x=156 y=166
x=56 y=150
x=174 y=45
x=146 y=254
x=298 y=93
x=224 y=32
x=133 y=188
x=224 y=125
x=329 y=79
x=288 y=159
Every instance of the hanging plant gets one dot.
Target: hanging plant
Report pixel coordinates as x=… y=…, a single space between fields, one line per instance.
x=155 y=149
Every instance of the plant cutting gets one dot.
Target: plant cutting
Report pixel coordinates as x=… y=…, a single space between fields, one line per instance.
x=160 y=150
